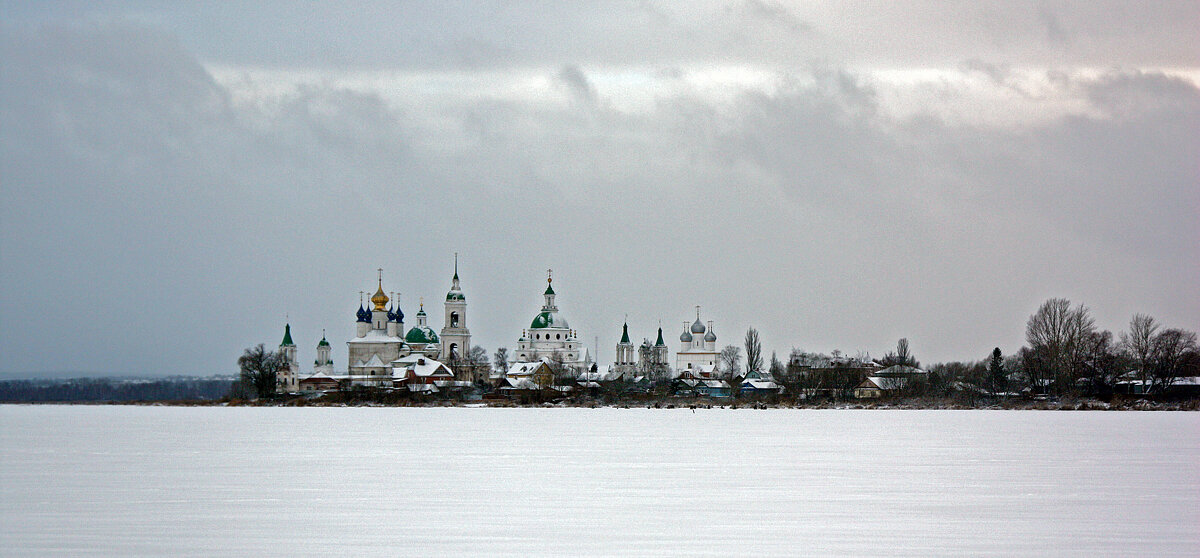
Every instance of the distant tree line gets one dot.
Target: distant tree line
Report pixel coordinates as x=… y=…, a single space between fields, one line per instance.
x=77 y=390
x=1066 y=354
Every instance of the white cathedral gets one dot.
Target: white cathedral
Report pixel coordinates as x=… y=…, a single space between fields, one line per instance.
x=697 y=347
x=550 y=338
x=382 y=348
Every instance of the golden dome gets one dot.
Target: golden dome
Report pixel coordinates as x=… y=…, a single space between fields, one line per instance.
x=379 y=299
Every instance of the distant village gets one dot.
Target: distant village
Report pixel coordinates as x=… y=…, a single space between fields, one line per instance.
x=548 y=361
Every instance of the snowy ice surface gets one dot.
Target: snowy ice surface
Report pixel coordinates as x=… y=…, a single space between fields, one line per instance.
x=114 y=480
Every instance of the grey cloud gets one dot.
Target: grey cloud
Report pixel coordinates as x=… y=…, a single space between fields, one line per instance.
x=577 y=84
x=179 y=226
x=1055 y=32
x=542 y=35
x=775 y=13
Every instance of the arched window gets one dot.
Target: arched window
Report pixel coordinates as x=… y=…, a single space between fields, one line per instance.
x=454 y=319
x=558 y=336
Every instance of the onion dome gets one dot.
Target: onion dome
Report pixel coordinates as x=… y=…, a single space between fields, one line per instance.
x=423 y=335
x=686 y=337
x=323 y=342
x=547 y=319
x=698 y=327
x=659 y=343
x=379 y=299
x=363 y=315
x=710 y=336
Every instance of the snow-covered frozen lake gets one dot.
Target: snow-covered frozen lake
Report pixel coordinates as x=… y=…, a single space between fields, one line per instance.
x=111 y=480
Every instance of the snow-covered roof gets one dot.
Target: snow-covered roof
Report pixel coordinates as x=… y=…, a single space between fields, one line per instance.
x=715 y=383
x=764 y=385
x=377 y=336
x=900 y=369
x=602 y=374
x=422 y=388
x=524 y=368
x=421 y=366
x=519 y=383
x=884 y=383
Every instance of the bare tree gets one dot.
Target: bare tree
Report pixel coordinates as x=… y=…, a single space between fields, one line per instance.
x=754 y=360
x=563 y=375
x=1138 y=342
x=260 y=369
x=1172 y=349
x=500 y=360
x=1056 y=333
x=902 y=356
x=777 y=370
x=1103 y=362
x=477 y=359
x=729 y=362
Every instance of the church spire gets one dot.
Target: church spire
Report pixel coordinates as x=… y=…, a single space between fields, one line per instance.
x=455 y=293
x=287 y=336
x=625 y=333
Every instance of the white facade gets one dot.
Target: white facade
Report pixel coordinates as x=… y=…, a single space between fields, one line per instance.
x=550 y=338
x=697 y=345
x=287 y=380
x=456 y=338
x=375 y=346
x=626 y=361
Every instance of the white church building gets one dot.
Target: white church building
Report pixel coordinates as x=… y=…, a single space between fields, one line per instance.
x=550 y=338
x=378 y=353
x=697 y=346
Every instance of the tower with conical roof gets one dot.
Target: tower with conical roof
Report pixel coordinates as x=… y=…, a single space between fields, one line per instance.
x=286 y=381
x=660 y=355
x=625 y=363
x=456 y=338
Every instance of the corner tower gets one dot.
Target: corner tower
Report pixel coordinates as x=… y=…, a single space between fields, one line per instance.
x=287 y=380
x=625 y=363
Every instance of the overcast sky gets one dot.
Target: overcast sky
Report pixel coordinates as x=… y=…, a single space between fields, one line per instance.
x=177 y=178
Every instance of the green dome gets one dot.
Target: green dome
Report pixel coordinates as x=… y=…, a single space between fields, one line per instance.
x=548 y=319
x=422 y=335
x=455 y=295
